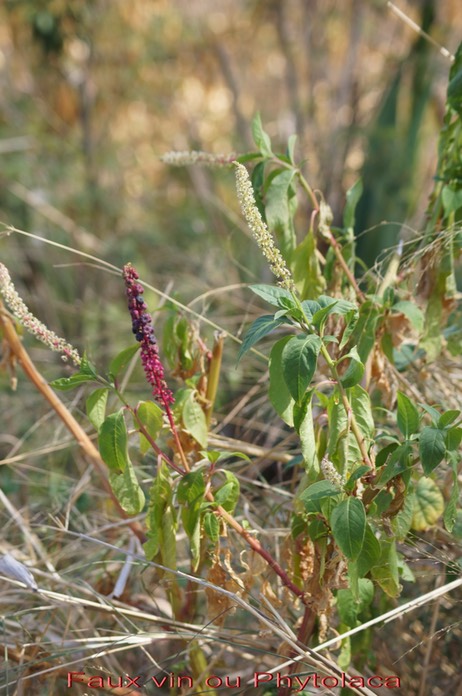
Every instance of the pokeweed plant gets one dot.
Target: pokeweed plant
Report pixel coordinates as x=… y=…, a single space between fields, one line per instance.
x=379 y=460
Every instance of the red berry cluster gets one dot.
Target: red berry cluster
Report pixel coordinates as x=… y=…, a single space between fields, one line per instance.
x=144 y=334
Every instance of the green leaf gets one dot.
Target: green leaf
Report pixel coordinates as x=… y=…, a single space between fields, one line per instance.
x=349 y=607
x=353 y=195
x=450 y=511
x=194 y=419
x=299 y=360
x=370 y=553
x=428 y=505
x=343 y=449
x=291 y=148
x=401 y=524
x=280 y=209
x=312 y=496
x=413 y=313
x=451 y=198
x=127 y=490
x=228 y=494
x=348 y=523
x=212 y=526
x=260 y=138
x=96 y=406
x=453 y=439
x=355 y=370
x=160 y=508
x=122 y=359
x=261 y=327
x=408 y=416
x=448 y=417
x=86 y=373
x=278 y=297
x=151 y=416
x=386 y=572
x=397 y=463
x=279 y=394
x=306 y=269
x=432 y=448
x=113 y=442
x=303 y=421
x=355 y=475
x=191 y=487
x=191 y=518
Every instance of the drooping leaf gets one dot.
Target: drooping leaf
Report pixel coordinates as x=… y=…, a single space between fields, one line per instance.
x=386 y=572
x=450 y=511
x=428 y=504
x=113 y=442
x=260 y=137
x=432 y=448
x=279 y=393
x=353 y=195
x=303 y=421
x=349 y=607
x=151 y=416
x=127 y=490
x=211 y=526
x=408 y=415
x=355 y=370
x=397 y=463
x=306 y=270
x=96 y=406
x=194 y=419
x=260 y=328
x=348 y=523
x=299 y=360
x=453 y=439
x=370 y=553
x=281 y=203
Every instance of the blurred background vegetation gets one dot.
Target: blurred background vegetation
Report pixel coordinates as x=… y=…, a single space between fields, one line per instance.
x=92 y=93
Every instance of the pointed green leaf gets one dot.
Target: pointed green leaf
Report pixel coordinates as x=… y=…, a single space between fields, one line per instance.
x=86 y=373
x=312 y=496
x=122 y=359
x=113 y=442
x=353 y=195
x=369 y=555
x=299 y=360
x=96 y=406
x=260 y=138
x=432 y=448
x=228 y=494
x=355 y=370
x=348 y=522
x=408 y=416
x=273 y=295
x=212 y=526
x=260 y=328
x=448 y=417
x=191 y=487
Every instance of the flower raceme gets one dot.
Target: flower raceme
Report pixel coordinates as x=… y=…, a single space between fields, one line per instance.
x=33 y=325
x=144 y=334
